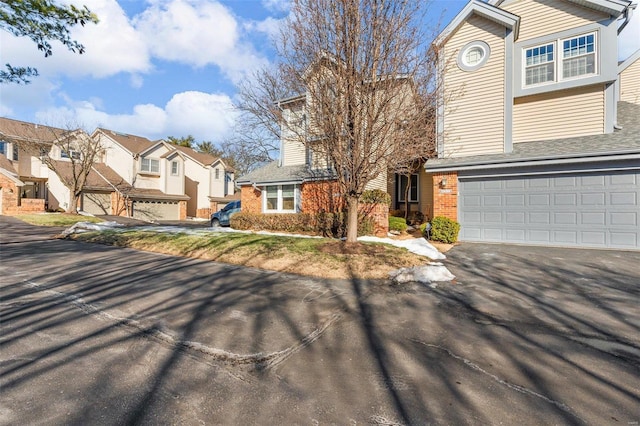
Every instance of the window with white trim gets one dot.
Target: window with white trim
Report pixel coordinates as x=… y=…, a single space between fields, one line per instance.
x=402 y=188
x=150 y=165
x=539 y=64
x=217 y=174
x=280 y=198
x=71 y=154
x=175 y=168
x=3 y=148
x=578 y=58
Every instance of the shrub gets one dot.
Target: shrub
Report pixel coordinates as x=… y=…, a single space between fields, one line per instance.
x=375 y=196
x=444 y=229
x=397 y=224
x=325 y=224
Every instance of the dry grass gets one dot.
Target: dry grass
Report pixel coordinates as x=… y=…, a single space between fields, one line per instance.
x=55 y=219
x=325 y=258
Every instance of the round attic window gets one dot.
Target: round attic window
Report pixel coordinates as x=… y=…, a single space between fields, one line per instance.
x=473 y=55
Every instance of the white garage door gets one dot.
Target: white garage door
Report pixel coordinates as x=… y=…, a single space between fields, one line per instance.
x=156 y=210
x=599 y=210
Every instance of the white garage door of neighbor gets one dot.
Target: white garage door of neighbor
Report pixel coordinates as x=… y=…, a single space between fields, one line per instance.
x=156 y=210
x=600 y=210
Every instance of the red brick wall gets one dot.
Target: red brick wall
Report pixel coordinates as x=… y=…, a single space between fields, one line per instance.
x=445 y=197
x=380 y=215
x=321 y=196
x=250 y=200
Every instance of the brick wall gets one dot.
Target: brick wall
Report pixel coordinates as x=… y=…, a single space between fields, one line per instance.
x=206 y=213
x=445 y=197
x=119 y=205
x=321 y=196
x=380 y=215
x=10 y=193
x=250 y=200
x=183 y=210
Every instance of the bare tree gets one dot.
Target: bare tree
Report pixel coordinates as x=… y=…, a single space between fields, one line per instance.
x=70 y=154
x=368 y=74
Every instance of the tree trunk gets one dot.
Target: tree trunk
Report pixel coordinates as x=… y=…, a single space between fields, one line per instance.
x=407 y=191
x=352 y=219
x=73 y=203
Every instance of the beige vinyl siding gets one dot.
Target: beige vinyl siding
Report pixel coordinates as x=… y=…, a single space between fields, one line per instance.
x=543 y=17
x=567 y=113
x=293 y=153
x=474 y=111
x=630 y=83
x=425 y=186
x=378 y=183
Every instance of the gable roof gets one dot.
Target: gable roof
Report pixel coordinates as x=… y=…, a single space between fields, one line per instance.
x=200 y=157
x=488 y=11
x=612 y=7
x=630 y=60
x=101 y=177
x=21 y=130
x=620 y=144
x=132 y=143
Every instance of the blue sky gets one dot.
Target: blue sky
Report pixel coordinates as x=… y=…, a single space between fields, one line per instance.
x=159 y=68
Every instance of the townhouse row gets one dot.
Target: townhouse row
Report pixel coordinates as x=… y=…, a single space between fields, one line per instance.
x=538 y=131
x=132 y=175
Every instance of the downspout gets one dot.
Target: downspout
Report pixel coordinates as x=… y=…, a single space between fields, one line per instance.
x=628 y=13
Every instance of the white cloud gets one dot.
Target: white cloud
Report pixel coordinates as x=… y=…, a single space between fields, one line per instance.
x=277 y=5
x=629 y=38
x=197 y=33
x=111 y=46
x=206 y=116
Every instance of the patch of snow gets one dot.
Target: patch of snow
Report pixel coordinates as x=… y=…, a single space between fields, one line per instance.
x=426 y=274
x=419 y=246
x=79 y=227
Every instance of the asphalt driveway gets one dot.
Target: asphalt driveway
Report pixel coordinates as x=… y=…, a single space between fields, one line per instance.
x=92 y=334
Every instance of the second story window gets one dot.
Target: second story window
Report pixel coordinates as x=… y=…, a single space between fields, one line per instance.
x=540 y=64
x=74 y=154
x=3 y=148
x=578 y=56
x=15 y=155
x=560 y=60
x=175 y=168
x=150 y=165
x=217 y=174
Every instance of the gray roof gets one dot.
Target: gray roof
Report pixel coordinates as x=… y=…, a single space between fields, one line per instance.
x=617 y=144
x=274 y=173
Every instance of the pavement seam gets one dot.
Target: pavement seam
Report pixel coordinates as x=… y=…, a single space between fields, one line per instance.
x=261 y=360
x=517 y=388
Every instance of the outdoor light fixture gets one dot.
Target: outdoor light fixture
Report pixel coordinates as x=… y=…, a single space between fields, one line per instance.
x=443 y=182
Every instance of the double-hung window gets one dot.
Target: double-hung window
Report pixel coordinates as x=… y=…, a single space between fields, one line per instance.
x=575 y=57
x=280 y=198
x=3 y=148
x=150 y=165
x=175 y=168
x=579 y=56
x=540 y=64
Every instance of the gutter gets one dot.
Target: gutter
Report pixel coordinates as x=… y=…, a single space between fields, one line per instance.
x=628 y=13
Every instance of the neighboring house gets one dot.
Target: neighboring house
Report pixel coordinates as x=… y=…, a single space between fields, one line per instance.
x=538 y=127
x=27 y=184
x=170 y=182
x=302 y=180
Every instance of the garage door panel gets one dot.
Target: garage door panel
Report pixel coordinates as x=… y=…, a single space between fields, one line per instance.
x=598 y=209
x=156 y=210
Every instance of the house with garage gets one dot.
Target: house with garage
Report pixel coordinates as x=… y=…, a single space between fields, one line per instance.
x=168 y=182
x=538 y=136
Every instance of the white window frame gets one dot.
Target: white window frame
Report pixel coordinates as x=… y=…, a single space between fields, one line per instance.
x=559 y=59
x=279 y=208
x=76 y=155
x=175 y=168
x=579 y=55
x=217 y=174
x=4 y=146
x=401 y=193
x=149 y=168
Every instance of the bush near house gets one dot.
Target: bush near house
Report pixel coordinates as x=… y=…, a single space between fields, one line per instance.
x=444 y=229
x=325 y=224
x=397 y=224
